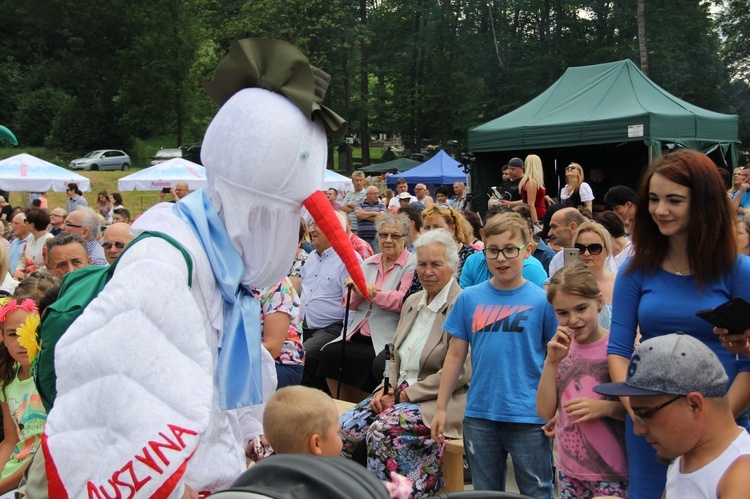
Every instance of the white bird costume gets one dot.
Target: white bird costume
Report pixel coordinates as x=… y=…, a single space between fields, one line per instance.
x=154 y=378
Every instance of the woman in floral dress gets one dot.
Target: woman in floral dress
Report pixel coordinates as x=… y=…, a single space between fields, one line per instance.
x=390 y=428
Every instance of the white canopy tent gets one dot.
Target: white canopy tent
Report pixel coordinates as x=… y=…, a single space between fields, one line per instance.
x=166 y=174
x=336 y=181
x=24 y=172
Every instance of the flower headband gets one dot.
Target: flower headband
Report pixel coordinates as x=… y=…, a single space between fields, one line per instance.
x=27 y=305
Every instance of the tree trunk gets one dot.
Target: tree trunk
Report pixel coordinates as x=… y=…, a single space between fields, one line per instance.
x=364 y=84
x=411 y=139
x=642 y=35
x=179 y=114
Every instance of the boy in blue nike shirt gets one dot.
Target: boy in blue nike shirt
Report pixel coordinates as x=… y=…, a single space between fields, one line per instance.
x=507 y=321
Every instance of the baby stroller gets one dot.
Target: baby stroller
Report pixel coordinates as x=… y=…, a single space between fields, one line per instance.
x=300 y=476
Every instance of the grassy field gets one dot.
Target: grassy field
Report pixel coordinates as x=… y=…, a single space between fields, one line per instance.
x=135 y=201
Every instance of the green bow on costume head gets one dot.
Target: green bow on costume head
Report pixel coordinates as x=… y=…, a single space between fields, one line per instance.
x=280 y=67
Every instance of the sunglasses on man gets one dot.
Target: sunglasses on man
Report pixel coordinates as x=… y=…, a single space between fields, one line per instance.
x=116 y=244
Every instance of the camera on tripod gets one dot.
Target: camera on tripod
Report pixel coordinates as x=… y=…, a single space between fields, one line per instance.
x=467 y=162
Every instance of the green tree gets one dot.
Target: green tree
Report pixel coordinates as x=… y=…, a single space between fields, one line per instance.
x=734 y=22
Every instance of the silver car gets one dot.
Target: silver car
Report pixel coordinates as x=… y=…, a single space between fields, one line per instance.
x=167 y=153
x=103 y=159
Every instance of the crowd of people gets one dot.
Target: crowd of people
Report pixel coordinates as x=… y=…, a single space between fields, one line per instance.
x=490 y=343
x=469 y=327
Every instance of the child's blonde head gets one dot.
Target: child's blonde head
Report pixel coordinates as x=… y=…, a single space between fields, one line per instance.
x=508 y=222
x=294 y=414
x=575 y=279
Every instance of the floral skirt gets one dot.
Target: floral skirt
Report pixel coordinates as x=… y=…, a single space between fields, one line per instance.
x=397 y=440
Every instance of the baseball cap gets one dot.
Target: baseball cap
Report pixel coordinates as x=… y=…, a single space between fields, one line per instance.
x=516 y=162
x=404 y=195
x=673 y=364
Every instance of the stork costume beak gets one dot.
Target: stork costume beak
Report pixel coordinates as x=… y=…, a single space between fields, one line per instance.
x=327 y=221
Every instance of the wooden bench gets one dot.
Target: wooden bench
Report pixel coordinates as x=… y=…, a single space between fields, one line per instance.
x=453 y=465
x=453 y=458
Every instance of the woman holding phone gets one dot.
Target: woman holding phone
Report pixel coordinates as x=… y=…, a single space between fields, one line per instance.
x=685 y=259
x=594 y=246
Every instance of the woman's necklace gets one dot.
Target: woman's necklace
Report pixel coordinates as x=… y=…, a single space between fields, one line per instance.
x=674 y=267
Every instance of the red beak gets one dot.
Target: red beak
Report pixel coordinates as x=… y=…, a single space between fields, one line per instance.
x=322 y=212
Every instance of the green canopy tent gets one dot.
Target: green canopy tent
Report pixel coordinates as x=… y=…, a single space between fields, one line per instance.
x=396 y=166
x=607 y=115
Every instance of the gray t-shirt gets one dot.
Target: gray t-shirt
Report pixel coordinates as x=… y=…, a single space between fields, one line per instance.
x=356 y=198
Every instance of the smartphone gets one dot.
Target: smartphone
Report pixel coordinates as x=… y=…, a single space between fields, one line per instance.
x=497 y=193
x=570 y=255
x=166 y=190
x=733 y=315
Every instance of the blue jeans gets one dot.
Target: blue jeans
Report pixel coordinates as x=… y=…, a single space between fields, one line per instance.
x=487 y=445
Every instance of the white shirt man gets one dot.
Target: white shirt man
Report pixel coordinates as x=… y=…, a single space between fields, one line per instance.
x=677 y=389
x=323 y=288
x=562 y=226
x=401 y=186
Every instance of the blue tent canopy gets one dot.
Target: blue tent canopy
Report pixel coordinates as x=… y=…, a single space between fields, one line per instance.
x=439 y=170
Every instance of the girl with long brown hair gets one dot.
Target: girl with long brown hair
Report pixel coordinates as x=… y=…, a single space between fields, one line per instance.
x=685 y=259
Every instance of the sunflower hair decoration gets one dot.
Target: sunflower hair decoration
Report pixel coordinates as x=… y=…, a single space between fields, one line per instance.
x=27 y=335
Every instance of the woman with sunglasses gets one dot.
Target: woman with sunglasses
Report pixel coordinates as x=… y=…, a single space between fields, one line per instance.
x=576 y=192
x=593 y=242
x=685 y=259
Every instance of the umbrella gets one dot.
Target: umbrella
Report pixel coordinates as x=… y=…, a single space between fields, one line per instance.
x=7 y=136
x=166 y=174
x=336 y=181
x=24 y=172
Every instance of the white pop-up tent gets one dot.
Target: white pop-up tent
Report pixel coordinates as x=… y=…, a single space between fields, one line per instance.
x=336 y=181
x=165 y=174
x=24 y=172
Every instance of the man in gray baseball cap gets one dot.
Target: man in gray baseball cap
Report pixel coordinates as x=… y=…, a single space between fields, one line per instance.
x=678 y=396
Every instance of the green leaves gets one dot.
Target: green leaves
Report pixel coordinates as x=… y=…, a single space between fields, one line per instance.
x=432 y=68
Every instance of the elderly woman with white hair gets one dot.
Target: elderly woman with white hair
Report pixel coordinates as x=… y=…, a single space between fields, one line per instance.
x=391 y=427
x=388 y=275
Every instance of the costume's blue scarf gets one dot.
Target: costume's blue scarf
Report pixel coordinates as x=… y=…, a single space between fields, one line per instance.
x=239 y=367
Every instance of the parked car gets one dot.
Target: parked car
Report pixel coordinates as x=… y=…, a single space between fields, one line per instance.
x=167 y=153
x=190 y=153
x=103 y=159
